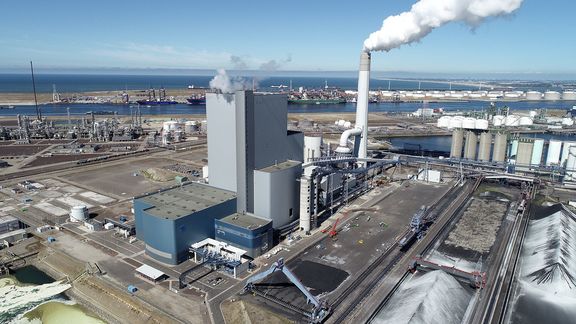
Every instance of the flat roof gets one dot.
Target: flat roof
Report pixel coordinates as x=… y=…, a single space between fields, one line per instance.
x=281 y=166
x=185 y=200
x=7 y=219
x=150 y=272
x=247 y=221
x=13 y=233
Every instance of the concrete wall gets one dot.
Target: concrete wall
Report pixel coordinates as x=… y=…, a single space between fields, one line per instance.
x=256 y=242
x=221 y=117
x=168 y=240
x=276 y=194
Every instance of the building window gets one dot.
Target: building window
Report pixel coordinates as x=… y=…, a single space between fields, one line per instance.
x=290 y=213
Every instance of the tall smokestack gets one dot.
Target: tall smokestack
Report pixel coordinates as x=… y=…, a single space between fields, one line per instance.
x=362 y=102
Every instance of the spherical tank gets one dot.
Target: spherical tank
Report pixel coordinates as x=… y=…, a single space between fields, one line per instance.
x=551 y=95
x=312 y=146
x=457 y=141
x=79 y=213
x=569 y=95
x=469 y=123
x=498 y=120
x=533 y=95
x=500 y=143
x=471 y=144
x=485 y=146
x=481 y=124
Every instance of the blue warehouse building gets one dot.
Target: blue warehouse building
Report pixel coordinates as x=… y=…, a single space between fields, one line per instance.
x=246 y=232
x=171 y=220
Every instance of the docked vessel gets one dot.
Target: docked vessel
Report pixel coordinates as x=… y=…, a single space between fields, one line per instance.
x=153 y=100
x=316 y=101
x=196 y=100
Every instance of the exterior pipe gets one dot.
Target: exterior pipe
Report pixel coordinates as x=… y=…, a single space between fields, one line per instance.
x=343 y=145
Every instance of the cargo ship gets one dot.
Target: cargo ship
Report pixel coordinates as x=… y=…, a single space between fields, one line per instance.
x=316 y=101
x=153 y=101
x=196 y=100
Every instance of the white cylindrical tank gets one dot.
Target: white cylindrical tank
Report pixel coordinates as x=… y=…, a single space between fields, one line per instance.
x=469 y=123
x=569 y=95
x=551 y=95
x=525 y=121
x=537 y=150
x=571 y=165
x=169 y=125
x=500 y=143
x=341 y=122
x=205 y=172
x=79 y=213
x=533 y=95
x=512 y=120
x=443 y=122
x=567 y=121
x=456 y=122
x=554 y=150
x=178 y=136
x=533 y=114
x=513 y=148
x=481 y=124
x=347 y=124
x=312 y=145
x=498 y=120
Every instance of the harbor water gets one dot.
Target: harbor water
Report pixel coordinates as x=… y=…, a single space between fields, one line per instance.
x=52 y=310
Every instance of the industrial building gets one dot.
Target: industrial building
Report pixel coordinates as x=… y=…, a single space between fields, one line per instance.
x=255 y=164
x=245 y=231
x=171 y=220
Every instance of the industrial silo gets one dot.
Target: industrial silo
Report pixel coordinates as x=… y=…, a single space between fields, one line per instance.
x=485 y=146
x=457 y=141
x=306 y=204
x=571 y=165
x=312 y=146
x=79 y=213
x=569 y=95
x=533 y=95
x=565 y=150
x=524 y=153
x=470 y=148
x=537 y=150
x=500 y=144
x=554 y=150
x=513 y=148
x=551 y=95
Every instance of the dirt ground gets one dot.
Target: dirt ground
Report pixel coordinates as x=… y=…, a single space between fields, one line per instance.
x=242 y=312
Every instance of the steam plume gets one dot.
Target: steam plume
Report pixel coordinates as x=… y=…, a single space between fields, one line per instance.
x=426 y=15
x=226 y=84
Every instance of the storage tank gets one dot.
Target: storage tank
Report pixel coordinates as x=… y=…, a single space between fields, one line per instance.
x=571 y=165
x=443 y=122
x=513 y=148
x=178 y=136
x=204 y=126
x=551 y=95
x=79 y=213
x=524 y=153
x=341 y=122
x=500 y=144
x=498 y=120
x=512 y=121
x=567 y=121
x=191 y=126
x=565 y=149
x=485 y=146
x=554 y=150
x=457 y=141
x=468 y=123
x=347 y=124
x=537 y=150
x=456 y=122
x=481 y=124
x=470 y=148
x=533 y=95
x=169 y=125
x=312 y=145
x=569 y=95
x=525 y=121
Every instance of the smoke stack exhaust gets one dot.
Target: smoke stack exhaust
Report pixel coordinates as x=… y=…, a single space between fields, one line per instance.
x=362 y=102
x=360 y=130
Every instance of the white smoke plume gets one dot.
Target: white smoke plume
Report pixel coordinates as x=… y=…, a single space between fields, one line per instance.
x=426 y=15
x=226 y=84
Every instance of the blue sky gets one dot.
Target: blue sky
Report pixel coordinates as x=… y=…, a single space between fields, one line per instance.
x=298 y=35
